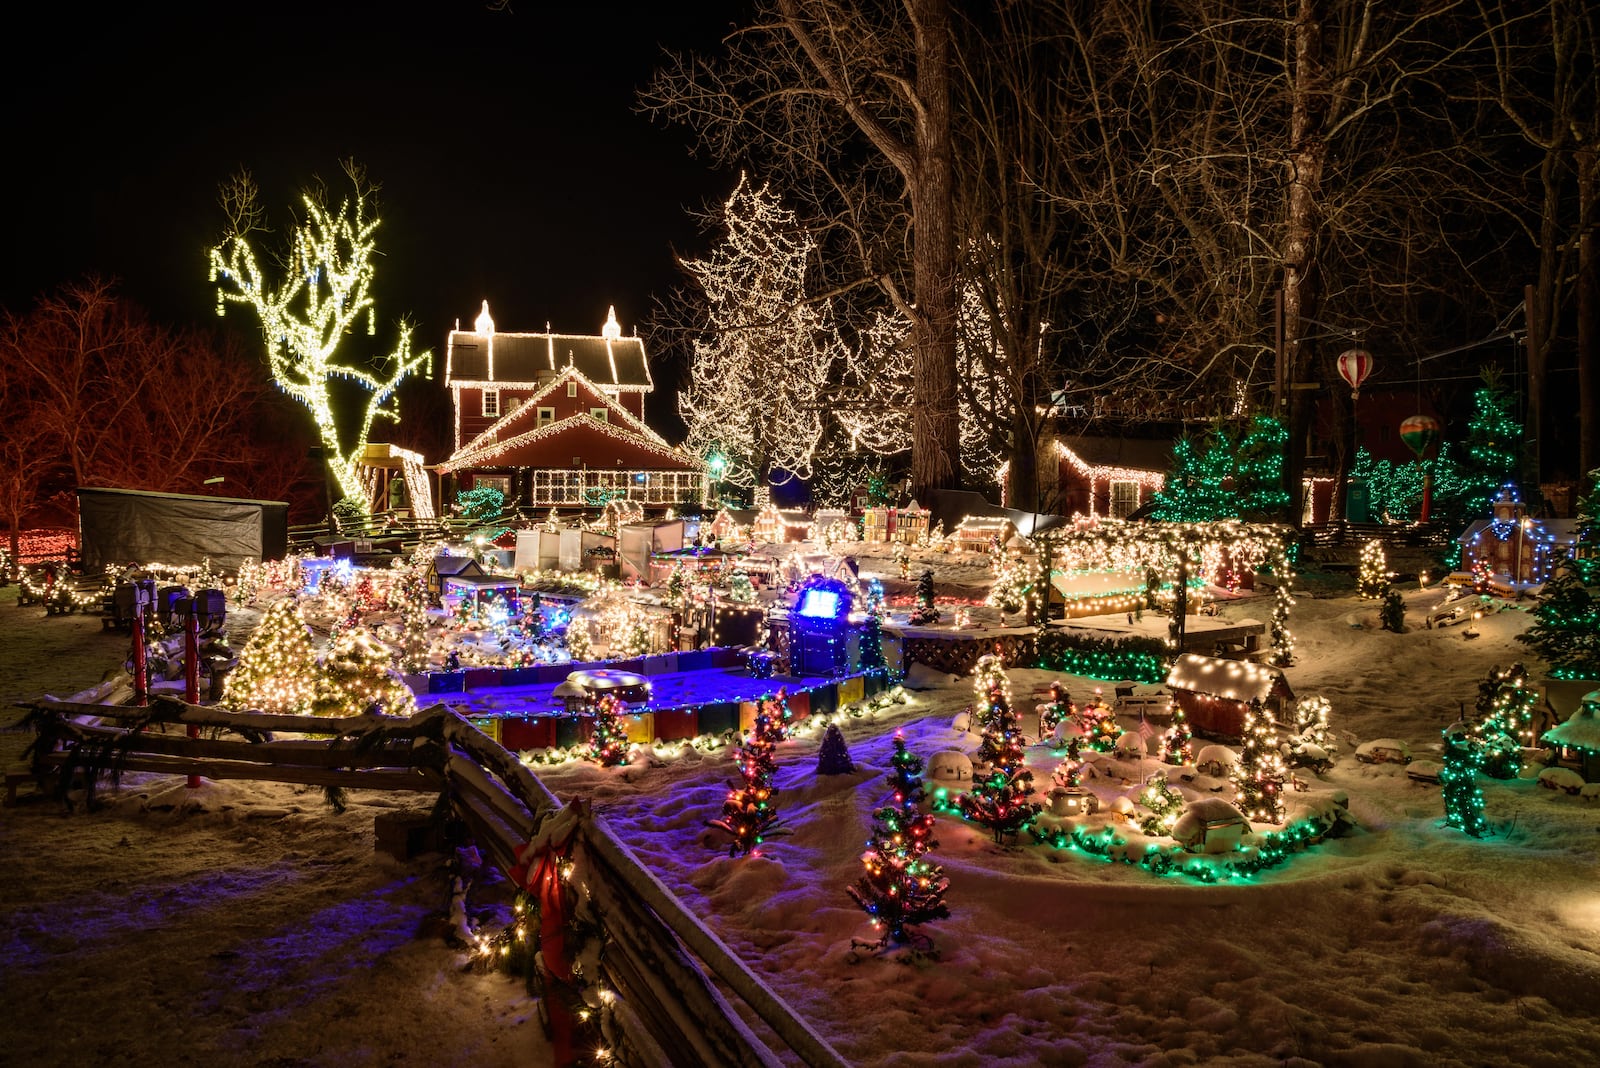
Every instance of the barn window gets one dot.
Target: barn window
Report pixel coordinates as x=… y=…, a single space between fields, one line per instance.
x=491 y=402
x=1124 y=498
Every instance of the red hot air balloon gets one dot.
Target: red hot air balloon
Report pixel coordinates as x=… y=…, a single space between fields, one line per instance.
x=1354 y=367
x=1419 y=432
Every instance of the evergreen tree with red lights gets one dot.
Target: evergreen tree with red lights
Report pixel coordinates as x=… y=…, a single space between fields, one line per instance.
x=899 y=887
x=999 y=799
x=1177 y=746
x=750 y=815
x=608 y=744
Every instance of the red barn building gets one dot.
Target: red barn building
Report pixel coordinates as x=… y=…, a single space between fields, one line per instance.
x=557 y=420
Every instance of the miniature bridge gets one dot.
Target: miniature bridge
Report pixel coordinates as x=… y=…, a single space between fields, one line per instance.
x=654 y=1001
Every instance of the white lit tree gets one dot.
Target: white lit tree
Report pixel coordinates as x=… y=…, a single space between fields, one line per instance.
x=277 y=669
x=766 y=351
x=307 y=317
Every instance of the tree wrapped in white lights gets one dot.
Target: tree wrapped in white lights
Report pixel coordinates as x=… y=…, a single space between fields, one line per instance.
x=758 y=371
x=324 y=296
x=277 y=669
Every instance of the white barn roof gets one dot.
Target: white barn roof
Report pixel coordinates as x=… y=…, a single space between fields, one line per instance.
x=1232 y=680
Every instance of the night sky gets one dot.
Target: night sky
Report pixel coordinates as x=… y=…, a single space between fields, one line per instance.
x=512 y=162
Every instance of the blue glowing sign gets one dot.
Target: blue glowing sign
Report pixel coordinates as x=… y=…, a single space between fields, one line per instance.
x=820 y=604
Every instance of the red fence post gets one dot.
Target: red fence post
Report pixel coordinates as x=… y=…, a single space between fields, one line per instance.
x=141 y=669
x=191 y=673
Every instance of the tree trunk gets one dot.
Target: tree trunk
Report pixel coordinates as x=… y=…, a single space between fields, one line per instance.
x=1588 y=430
x=1307 y=154
x=935 y=434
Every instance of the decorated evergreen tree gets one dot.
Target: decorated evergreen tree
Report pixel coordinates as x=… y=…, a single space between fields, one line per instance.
x=1057 y=710
x=1098 y=724
x=1372 y=580
x=608 y=744
x=833 y=755
x=1069 y=773
x=1494 y=444
x=872 y=659
x=750 y=814
x=1463 y=798
x=277 y=669
x=1258 y=471
x=358 y=676
x=1163 y=805
x=1392 y=616
x=676 y=586
x=740 y=589
x=1177 y=744
x=1311 y=743
x=1196 y=490
x=1566 y=631
x=1506 y=702
x=925 y=614
x=1259 y=774
x=900 y=888
x=999 y=798
x=774 y=708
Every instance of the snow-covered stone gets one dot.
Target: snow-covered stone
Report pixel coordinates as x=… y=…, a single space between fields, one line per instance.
x=950 y=765
x=1384 y=751
x=1564 y=779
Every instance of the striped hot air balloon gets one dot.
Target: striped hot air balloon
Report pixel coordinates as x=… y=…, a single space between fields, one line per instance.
x=1420 y=432
x=1354 y=367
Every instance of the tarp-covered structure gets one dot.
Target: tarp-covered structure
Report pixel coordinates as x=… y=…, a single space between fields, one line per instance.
x=121 y=526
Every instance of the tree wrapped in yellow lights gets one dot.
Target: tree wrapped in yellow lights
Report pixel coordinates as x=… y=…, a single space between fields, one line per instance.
x=358 y=677
x=277 y=669
x=1259 y=774
x=308 y=317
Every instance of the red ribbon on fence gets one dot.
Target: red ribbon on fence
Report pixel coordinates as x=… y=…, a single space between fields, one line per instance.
x=538 y=871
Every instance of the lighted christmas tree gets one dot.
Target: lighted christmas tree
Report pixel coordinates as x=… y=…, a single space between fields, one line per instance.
x=1258 y=471
x=1259 y=774
x=1506 y=702
x=999 y=798
x=1069 y=773
x=1013 y=586
x=676 y=586
x=358 y=676
x=740 y=589
x=1177 y=741
x=1057 y=710
x=833 y=755
x=750 y=814
x=1311 y=743
x=775 y=710
x=1566 y=629
x=1494 y=445
x=277 y=669
x=1162 y=804
x=925 y=614
x=873 y=660
x=608 y=743
x=1463 y=798
x=1196 y=490
x=1098 y=724
x=1372 y=580
x=900 y=888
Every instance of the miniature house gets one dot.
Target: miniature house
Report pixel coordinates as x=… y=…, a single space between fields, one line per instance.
x=911 y=524
x=1579 y=737
x=1513 y=548
x=1210 y=825
x=774 y=524
x=449 y=566
x=877 y=525
x=1216 y=694
x=980 y=533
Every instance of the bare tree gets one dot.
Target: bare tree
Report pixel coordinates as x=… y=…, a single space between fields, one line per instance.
x=852 y=103
x=1546 y=85
x=96 y=394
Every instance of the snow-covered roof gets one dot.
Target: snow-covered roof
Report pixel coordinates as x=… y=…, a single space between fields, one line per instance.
x=1206 y=812
x=1233 y=680
x=1582 y=731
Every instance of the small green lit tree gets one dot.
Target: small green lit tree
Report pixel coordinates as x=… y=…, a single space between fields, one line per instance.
x=1458 y=777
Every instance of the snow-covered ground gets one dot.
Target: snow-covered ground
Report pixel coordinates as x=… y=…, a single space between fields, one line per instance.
x=246 y=923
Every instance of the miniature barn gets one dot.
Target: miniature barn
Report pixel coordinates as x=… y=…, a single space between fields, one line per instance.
x=1216 y=694
x=981 y=533
x=447 y=566
x=775 y=524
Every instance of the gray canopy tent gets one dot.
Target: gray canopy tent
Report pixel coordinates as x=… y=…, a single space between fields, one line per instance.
x=121 y=526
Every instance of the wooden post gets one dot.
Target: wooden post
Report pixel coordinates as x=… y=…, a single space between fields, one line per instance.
x=191 y=672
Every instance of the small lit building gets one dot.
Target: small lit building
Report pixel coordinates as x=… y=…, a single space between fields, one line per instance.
x=774 y=524
x=448 y=566
x=1215 y=694
x=980 y=533
x=1579 y=737
x=1513 y=547
x=877 y=525
x=910 y=524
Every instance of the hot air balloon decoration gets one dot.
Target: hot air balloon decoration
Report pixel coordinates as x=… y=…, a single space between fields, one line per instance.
x=1420 y=433
x=1354 y=367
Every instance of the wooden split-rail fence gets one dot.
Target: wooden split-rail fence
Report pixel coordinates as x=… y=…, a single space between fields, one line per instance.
x=658 y=958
